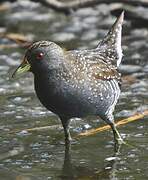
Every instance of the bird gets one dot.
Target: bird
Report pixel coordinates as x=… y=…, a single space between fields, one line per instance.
x=78 y=83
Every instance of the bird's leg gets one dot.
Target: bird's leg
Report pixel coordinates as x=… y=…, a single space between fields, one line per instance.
x=67 y=134
x=65 y=124
x=117 y=137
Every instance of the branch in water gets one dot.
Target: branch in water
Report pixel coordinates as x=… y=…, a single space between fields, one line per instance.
x=76 y=4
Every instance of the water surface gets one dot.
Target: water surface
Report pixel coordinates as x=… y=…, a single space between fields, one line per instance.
x=40 y=154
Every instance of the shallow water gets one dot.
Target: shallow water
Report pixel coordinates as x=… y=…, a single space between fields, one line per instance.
x=40 y=154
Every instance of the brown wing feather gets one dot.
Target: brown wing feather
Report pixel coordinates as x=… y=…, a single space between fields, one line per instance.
x=104 y=71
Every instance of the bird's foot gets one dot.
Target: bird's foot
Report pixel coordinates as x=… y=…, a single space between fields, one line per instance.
x=118 y=139
x=118 y=142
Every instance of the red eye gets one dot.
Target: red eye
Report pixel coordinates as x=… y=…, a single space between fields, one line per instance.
x=40 y=56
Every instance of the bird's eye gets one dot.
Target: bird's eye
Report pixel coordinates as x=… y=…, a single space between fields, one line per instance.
x=40 y=56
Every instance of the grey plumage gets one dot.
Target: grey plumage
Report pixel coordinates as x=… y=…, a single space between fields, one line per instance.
x=79 y=83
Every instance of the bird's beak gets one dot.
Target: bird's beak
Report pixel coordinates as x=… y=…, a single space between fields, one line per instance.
x=23 y=67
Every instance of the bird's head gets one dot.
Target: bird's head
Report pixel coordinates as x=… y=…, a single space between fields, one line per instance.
x=40 y=57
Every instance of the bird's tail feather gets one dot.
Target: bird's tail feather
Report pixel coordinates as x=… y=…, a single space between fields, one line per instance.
x=111 y=44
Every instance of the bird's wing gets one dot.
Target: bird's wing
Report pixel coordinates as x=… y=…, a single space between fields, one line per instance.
x=100 y=68
x=95 y=65
x=103 y=71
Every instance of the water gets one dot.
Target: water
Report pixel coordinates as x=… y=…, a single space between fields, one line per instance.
x=40 y=154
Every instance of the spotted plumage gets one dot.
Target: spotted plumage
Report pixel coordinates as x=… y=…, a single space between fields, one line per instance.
x=79 y=83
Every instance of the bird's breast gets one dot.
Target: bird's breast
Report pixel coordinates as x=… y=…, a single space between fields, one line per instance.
x=63 y=97
x=77 y=99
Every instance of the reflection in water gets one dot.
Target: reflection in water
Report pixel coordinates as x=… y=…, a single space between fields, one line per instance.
x=70 y=171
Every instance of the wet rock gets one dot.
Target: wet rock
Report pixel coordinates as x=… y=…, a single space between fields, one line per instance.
x=145 y=69
x=89 y=35
x=129 y=69
x=29 y=16
x=139 y=86
x=62 y=37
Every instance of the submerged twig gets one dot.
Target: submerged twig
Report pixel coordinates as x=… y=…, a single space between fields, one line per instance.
x=19 y=39
x=76 y=4
x=90 y=132
x=4 y=7
x=7 y=46
x=135 y=117
x=37 y=128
